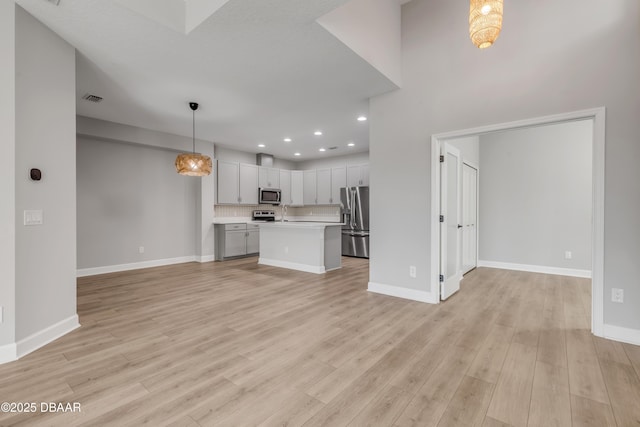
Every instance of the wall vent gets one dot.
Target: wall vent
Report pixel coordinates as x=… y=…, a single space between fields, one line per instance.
x=92 y=98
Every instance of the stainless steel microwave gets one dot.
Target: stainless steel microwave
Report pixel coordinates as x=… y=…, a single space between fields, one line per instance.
x=269 y=196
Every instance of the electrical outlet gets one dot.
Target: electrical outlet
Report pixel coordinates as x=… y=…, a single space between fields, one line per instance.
x=568 y=255
x=617 y=295
x=141 y=249
x=412 y=271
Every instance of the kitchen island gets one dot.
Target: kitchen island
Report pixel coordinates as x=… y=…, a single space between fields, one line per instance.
x=314 y=247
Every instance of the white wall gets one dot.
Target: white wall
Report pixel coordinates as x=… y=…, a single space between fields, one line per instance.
x=230 y=155
x=130 y=196
x=371 y=28
x=45 y=138
x=586 y=56
x=535 y=196
x=333 y=162
x=469 y=148
x=7 y=172
x=156 y=152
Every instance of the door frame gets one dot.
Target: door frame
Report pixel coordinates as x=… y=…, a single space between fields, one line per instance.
x=477 y=168
x=597 y=116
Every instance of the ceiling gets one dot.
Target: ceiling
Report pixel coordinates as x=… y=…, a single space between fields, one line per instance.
x=262 y=71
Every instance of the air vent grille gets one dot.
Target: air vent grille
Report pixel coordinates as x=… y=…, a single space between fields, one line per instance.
x=92 y=98
x=332 y=148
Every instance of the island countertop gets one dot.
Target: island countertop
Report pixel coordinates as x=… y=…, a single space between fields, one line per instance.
x=300 y=224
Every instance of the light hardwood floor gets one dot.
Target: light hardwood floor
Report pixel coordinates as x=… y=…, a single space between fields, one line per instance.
x=237 y=344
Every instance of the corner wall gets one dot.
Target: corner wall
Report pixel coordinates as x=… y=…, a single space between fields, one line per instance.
x=45 y=139
x=7 y=179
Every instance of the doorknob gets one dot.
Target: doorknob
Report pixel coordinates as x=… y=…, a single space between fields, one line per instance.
x=459 y=226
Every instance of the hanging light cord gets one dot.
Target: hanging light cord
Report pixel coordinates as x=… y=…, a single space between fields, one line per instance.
x=193 y=114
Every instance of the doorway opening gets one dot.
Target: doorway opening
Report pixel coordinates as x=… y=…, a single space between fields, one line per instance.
x=440 y=201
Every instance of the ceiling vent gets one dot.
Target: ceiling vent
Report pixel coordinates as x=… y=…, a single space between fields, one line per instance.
x=332 y=148
x=92 y=98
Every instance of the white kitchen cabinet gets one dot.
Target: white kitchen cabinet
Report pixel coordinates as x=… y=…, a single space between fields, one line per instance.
x=237 y=239
x=323 y=186
x=248 y=183
x=237 y=183
x=269 y=177
x=253 y=239
x=228 y=174
x=338 y=180
x=357 y=175
x=285 y=187
x=297 y=188
x=309 y=192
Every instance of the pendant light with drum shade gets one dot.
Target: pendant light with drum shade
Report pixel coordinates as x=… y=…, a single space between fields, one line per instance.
x=193 y=164
x=485 y=22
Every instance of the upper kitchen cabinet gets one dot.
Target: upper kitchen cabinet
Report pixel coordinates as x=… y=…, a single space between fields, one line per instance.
x=237 y=183
x=228 y=174
x=285 y=186
x=357 y=175
x=323 y=186
x=248 y=184
x=297 y=188
x=338 y=180
x=269 y=177
x=310 y=182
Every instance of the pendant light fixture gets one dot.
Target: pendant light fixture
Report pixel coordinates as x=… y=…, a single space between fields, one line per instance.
x=193 y=164
x=485 y=22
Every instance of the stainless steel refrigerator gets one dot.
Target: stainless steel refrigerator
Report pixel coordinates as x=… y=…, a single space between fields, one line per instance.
x=355 y=216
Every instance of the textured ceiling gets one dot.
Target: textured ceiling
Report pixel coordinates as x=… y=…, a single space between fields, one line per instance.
x=262 y=70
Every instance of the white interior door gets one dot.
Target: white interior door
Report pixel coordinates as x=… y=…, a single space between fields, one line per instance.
x=469 y=218
x=450 y=221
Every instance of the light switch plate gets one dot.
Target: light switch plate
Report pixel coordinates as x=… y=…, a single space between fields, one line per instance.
x=33 y=217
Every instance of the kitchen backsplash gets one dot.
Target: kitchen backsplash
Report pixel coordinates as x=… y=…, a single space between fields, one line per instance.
x=226 y=211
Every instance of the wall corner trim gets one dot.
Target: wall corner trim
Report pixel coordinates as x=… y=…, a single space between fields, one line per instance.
x=8 y=353
x=43 y=337
x=558 y=271
x=618 y=333
x=400 y=292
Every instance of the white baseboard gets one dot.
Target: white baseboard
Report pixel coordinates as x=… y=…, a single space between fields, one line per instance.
x=8 y=353
x=618 y=333
x=11 y=352
x=205 y=258
x=82 y=272
x=536 y=269
x=292 y=265
x=400 y=292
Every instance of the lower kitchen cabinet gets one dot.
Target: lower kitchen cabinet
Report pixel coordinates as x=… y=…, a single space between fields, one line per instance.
x=238 y=239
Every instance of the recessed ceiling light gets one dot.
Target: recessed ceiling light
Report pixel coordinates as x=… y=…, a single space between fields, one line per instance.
x=317 y=133
x=322 y=149
x=296 y=154
x=362 y=119
x=287 y=140
x=351 y=144
x=261 y=145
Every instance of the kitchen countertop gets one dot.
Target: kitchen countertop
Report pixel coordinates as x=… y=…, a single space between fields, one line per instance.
x=242 y=220
x=300 y=224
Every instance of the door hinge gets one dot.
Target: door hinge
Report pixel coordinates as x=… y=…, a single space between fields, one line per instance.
x=441 y=278
x=441 y=159
x=441 y=218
